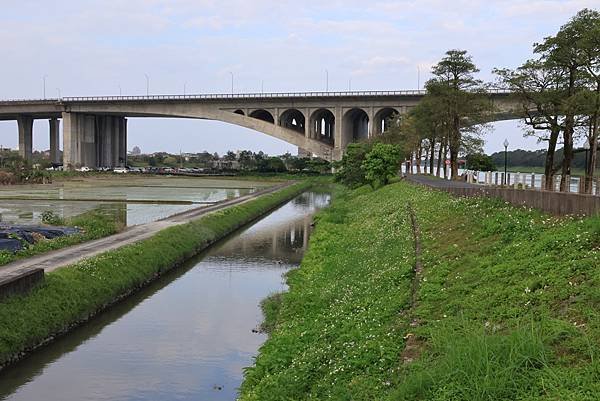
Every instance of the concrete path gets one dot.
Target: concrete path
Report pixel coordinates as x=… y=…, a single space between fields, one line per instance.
x=437 y=182
x=53 y=260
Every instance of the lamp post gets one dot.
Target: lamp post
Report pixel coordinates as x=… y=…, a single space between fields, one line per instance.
x=326 y=80
x=59 y=94
x=147 y=84
x=45 y=76
x=184 y=88
x=505 y=160
x=231 y=81
x=586 y=146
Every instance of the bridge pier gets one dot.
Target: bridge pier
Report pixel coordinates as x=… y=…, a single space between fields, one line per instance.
x=25 y=125
x=54 y=124
x=94 y=140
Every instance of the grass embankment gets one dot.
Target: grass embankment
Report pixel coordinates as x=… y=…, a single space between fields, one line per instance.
x=73 y=294
x=506 y=307
x=93 y=225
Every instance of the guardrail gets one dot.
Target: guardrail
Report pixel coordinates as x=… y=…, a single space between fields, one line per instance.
x=225 y=96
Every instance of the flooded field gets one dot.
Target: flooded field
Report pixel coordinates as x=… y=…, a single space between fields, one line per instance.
x=132 y=199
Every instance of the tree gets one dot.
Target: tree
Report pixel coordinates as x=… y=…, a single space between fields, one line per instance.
x=537 y=88
x=480 y=162
x=461 y=99
x=350 y=171
x=381 y=164
x=563 y=52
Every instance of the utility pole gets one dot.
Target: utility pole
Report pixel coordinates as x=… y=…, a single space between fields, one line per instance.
x=326 y=80
x=231 y=82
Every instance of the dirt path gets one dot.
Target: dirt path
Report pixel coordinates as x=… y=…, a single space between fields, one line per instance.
x=53 y=260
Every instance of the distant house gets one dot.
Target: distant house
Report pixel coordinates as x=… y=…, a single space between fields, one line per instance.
x=226 y=164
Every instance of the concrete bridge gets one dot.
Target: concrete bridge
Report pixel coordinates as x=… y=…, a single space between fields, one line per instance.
x=321 y=123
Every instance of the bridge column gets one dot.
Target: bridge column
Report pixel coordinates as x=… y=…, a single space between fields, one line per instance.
x=25 y=125
x=71 y=140
x=106 y=139
x=54 y=124
x=122 y=141
x=339 y=144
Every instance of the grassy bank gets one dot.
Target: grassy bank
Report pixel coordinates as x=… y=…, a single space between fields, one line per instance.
x=505 y=308
x=93 y=225
x=73 y=294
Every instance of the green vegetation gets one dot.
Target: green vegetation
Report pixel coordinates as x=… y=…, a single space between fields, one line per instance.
x=93 y=225
x=373 y=163
x=381 y=164
x=73 y=294
x=480 y=162
x=505 y=307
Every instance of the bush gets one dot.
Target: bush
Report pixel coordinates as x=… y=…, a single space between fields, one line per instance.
x=350 y=170
x=381 y=164
x=51 y=218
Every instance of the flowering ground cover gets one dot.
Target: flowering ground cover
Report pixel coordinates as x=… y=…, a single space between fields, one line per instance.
x=506 y=306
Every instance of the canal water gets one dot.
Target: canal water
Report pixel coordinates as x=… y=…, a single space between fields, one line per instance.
x=188 y=336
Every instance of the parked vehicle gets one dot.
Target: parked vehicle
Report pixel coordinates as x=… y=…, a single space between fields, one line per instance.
x=84 y=169
x=120 y=170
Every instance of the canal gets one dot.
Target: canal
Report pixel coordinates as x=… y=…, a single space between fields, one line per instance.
x=188 y=336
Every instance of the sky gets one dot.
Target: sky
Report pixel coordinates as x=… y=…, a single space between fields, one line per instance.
x=105 y=47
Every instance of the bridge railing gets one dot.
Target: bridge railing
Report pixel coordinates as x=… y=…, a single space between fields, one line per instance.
x=226 y=96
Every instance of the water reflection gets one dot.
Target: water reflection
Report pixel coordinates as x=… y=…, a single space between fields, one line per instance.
x=184 y=335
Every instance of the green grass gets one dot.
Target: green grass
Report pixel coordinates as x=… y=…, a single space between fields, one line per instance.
x=506 y=309
x=93 y=224
x=73 y=294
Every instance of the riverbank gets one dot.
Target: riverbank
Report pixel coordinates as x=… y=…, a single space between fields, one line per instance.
x=72 y=295
x=477 y=300
x=93 y=225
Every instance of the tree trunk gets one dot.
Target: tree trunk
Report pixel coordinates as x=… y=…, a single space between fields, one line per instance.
x=418 y=155
x=445 y=158
x=431 y=155
x=549 y=165
x=439 y=161
x=454 y=142
x=568 y=136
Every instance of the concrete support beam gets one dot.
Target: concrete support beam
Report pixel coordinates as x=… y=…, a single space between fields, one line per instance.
x=54 y=124
x=123 y=142
x=25 y=125
x=71 y=141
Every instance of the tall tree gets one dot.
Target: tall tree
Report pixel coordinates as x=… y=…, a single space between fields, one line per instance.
x=590 y=51
x=537 y=89
x=462 y=98
x=563 y=52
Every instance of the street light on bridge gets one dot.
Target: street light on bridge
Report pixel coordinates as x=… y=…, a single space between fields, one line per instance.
x=147 y=84
x=45 y=76
x=231 y=81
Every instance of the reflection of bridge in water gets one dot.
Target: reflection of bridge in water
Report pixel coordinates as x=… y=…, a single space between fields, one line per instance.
x=280 y=240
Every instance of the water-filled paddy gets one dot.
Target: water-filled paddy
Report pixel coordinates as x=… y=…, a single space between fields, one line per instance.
x=131 y=199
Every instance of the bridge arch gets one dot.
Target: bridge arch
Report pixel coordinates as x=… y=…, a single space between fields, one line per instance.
x=381 y=119
x=356 y=125
x=240 y=112
x=322 y=125
x=293 y=119
x=264 y=115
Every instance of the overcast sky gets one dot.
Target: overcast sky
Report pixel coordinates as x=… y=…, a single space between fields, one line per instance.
x=91 y=47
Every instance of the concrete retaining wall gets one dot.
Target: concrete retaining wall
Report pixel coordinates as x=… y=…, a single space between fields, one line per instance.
x=20 y=282
x=558 y=203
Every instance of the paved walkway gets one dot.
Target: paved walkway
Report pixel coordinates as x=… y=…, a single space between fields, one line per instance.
x=437 y=182
x=53 y=260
